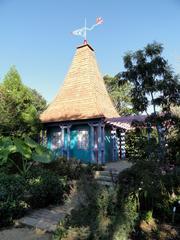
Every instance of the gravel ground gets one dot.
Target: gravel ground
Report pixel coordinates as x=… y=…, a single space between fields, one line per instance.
x=24 y=234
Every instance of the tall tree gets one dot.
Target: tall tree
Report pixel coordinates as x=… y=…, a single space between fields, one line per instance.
x=120 y=94
x=19 y=106
x=154 y=82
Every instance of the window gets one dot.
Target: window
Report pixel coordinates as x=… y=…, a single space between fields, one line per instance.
x=83 y=139
x=56 y=140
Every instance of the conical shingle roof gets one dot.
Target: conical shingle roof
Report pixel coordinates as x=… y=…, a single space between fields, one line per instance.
x=83 y=94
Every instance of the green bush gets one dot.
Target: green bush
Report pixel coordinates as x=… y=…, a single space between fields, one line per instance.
x=125 y=219
x=73 y=233
x=73 y=169
x=92 y=219
x=45 y=187
x=138 y=147
x=38 y=189
x=155 y=189
x=63 y=167
x=12 y=204
x=101 y=215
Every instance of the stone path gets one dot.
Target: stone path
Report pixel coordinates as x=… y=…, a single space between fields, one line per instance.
x=48 y=219
x=24 y=234
x=45 y=219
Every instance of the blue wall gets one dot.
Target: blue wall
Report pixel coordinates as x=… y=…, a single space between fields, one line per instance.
x=81 y=154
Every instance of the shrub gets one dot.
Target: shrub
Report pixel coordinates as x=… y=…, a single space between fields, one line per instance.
x=12 y=204
x=63 y=167
x=138 y=147
x=45 y=187
x=125 y=219
x=92 y=218
x=72 y=168
x=73 y=233
x=155 y=190
x=38 y=189
x=99 y=216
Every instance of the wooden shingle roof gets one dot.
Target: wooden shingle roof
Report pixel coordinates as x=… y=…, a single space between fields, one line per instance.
x=83 y=94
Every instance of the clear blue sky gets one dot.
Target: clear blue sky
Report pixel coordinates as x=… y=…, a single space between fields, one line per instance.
x=35 y=35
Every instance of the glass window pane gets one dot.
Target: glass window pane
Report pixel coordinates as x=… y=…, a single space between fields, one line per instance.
x=56 y=140
x=83 y=139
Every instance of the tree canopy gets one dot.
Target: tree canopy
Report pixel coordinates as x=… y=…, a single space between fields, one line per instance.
x=154 y=82
x=120 y=94
x=19 y=106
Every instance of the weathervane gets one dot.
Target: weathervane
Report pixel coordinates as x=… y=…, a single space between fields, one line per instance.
x=83 y=31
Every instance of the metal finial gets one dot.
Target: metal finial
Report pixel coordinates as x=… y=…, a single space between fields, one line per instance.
x=83 y=31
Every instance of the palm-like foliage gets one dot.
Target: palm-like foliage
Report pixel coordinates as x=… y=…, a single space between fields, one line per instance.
x=28 y=151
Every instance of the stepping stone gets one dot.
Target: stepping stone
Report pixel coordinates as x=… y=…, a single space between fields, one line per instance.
x=44 y=219
x=47 y=219
x=23 y=234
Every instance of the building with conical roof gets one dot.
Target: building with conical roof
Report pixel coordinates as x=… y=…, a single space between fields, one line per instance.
x=76 y=121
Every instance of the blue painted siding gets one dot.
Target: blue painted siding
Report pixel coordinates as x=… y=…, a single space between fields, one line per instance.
x=81 y=154
x=85 y=155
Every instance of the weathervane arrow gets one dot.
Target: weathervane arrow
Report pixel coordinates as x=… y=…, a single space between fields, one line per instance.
x=82 y=32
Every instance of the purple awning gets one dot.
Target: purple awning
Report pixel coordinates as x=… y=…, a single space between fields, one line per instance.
x=125 y=122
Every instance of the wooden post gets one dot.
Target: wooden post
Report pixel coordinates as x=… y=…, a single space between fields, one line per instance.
x=92 y=143
x=113 y=133
x=103 y=144
x=68 y=142
x=99 y=143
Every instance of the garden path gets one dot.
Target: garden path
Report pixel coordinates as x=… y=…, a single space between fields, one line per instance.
x=47 y=219
x=24 y=234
